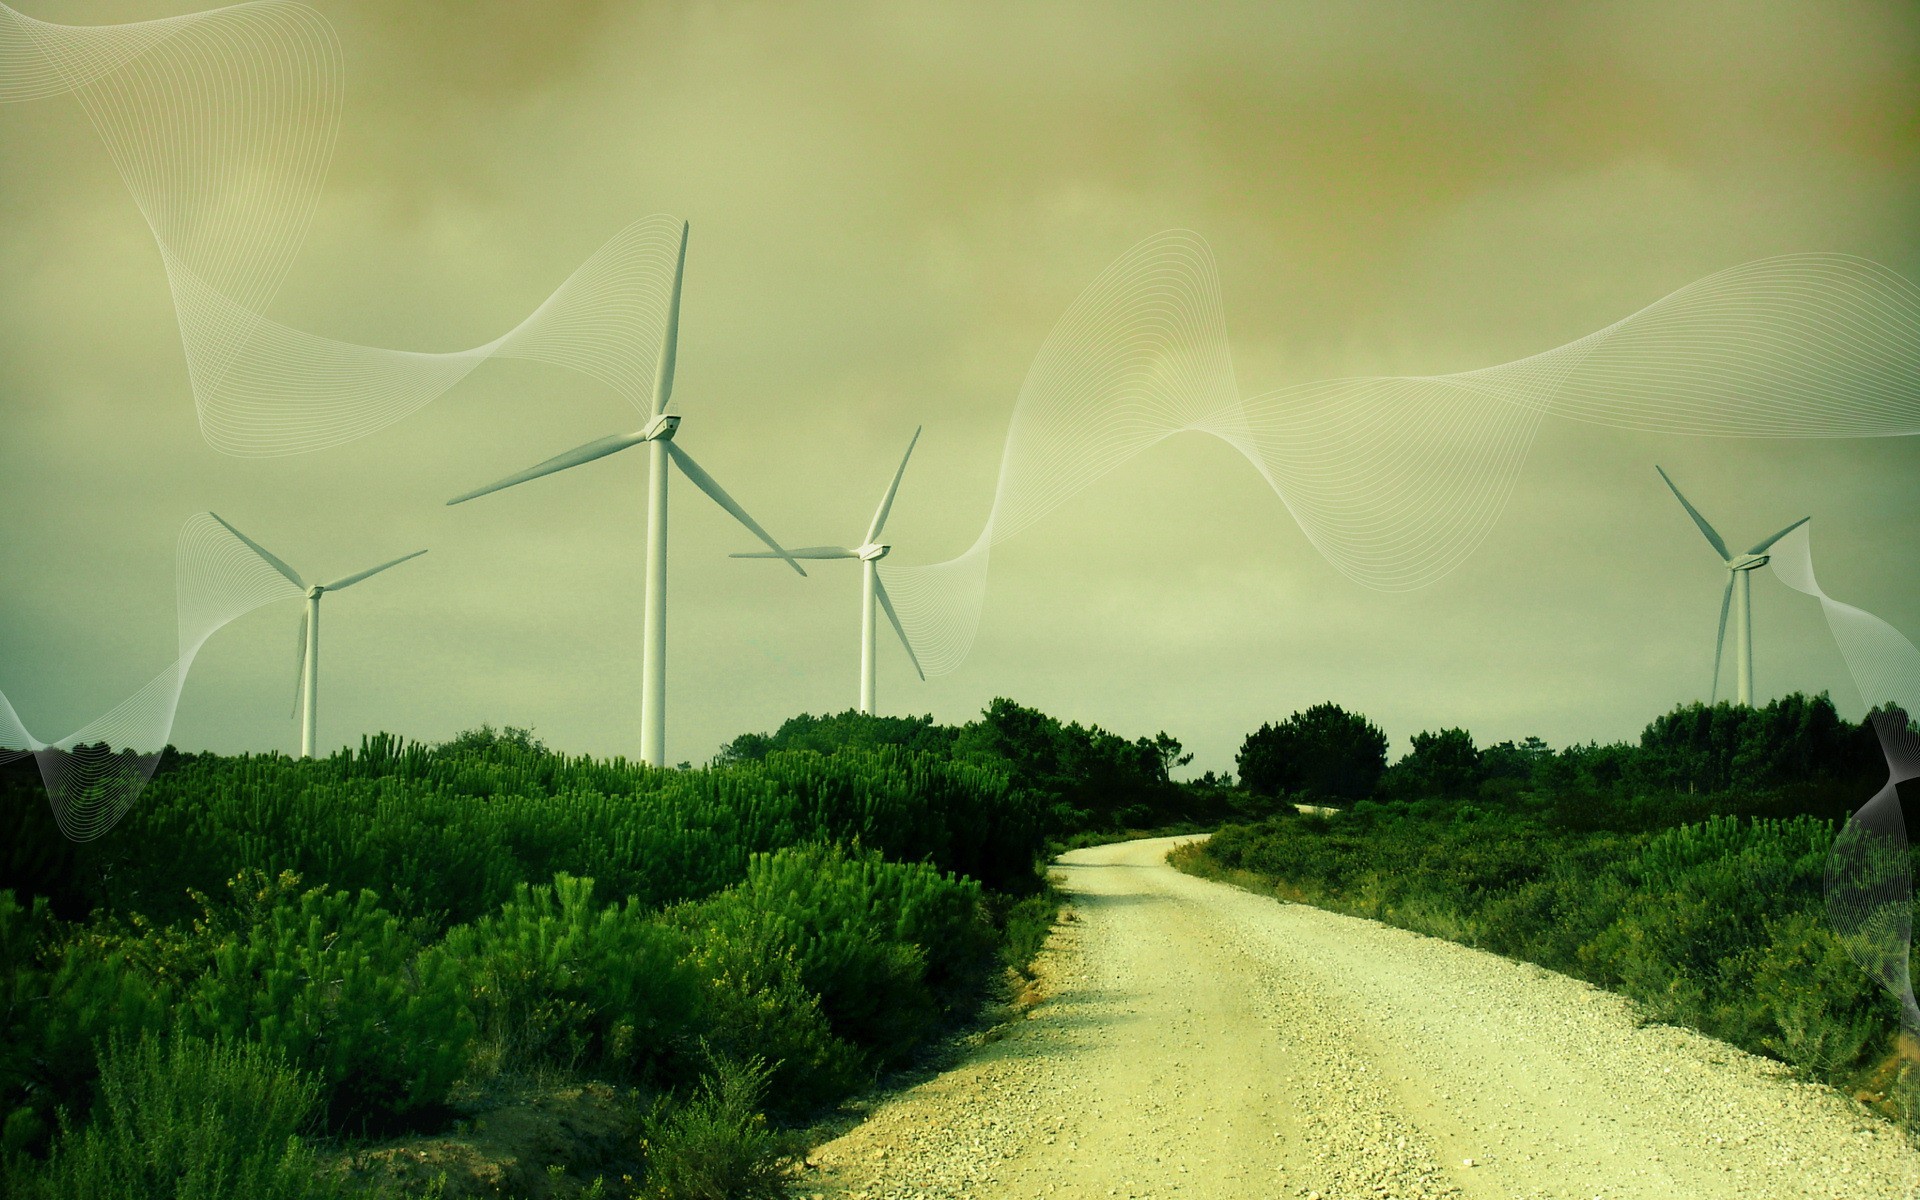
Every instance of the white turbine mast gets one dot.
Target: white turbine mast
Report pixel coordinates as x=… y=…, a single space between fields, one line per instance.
x=658 y=435
x=870 y=551
x=1740 y=568
x=307 y=681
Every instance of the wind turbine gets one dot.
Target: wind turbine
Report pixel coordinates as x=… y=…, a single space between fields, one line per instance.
x=1740 y=568
x=659 y=438
x=308 y=679
x=870 y=551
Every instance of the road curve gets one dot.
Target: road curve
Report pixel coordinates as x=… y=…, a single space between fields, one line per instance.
x=1202 y=1041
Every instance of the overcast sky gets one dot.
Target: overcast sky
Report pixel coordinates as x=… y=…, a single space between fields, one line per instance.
x=891 y=205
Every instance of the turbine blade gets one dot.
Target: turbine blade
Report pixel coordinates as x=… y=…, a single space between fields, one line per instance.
x=886 y=602
x=670 y=340
x=886 y=502
x=299 y=664
x=1718 y=544
x=292 y=575
x=349 y=581
x=1762 y=547
x=1720 y=640
x=599 y=448
x=803 y=552
x=706 y=483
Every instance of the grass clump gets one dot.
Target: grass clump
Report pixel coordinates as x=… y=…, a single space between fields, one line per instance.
x=716 y=1144
x=186 y=1119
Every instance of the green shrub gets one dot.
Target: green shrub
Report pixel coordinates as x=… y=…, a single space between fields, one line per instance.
x=716 y=1144
x=881 y=944
x=551 y=978
x=60 y=995
x=1024 y=925
x=334 y=982
x=752 y=1002
x=187 y=1120
x=1818 y=1010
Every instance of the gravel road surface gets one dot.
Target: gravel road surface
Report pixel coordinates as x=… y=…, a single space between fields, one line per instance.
x=1202 y=1041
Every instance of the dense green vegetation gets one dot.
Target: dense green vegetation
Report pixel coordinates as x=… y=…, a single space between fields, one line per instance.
x=268 y=960
x=373 y=936
x=1076 y=779
x=1685 y=871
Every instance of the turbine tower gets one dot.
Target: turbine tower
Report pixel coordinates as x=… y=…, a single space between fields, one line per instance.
x=658 y=435
x=307 y=682
x=870 y=551
x=1740 y=568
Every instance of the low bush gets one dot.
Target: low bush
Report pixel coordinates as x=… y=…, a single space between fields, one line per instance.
x=333 y=981
x=753 y=1002
x=186 y=1119
x=715 y=1145
x=884 y=945
x=553 y=979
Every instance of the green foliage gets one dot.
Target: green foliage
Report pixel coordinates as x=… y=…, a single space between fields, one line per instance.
x=449 y=831
x=1440 y=764
x=333 y=981
x=1709 y=749
x=187 y=1119
x=849 y=730
x=716 y=1145
x=824 y=961
x=1819 y=1010
x=59 y=996
x=881 y=944
x=1323 y=752
x=1024 y=922
x=753 y=1001
x=1083 y=777
x=552 y=979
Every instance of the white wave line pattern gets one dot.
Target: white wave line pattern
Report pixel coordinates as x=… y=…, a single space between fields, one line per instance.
x=1869 y=875
x=93 y=774
x=222 y=125
x=1397 y=479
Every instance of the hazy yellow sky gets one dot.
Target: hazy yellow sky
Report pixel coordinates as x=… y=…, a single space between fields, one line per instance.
x=891 y=205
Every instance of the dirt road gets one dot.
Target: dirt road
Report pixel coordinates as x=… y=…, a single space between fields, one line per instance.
x=1201 y=1041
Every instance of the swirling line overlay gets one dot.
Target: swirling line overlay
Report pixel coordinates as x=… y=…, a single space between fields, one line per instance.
x=1869 y=877
x=222 y=125
x=93 y=774
x=1396 y=480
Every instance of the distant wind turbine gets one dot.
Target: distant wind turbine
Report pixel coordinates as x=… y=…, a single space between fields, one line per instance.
x=870 y=551
x=307 y=682
x=1739 y=570
x=659 y=436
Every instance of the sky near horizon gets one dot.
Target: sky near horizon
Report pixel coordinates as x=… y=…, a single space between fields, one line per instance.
x=891 y=205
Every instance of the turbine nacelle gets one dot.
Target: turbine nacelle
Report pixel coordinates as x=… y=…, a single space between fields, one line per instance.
x=1748 y=562
x=871 y=552
x=661 y=428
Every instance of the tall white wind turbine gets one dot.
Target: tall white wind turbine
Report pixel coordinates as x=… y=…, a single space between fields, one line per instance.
x=307 y=699
x=659 y=437
x=870 y=551
x=1740 y=568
